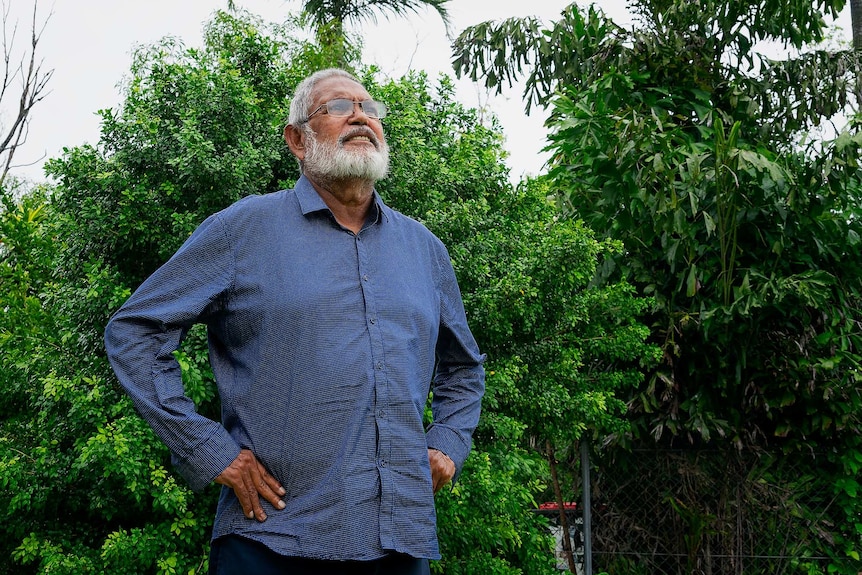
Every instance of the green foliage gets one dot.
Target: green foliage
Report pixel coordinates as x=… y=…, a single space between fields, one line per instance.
x=321 y=11
x=557 y=348
x=750 y=262
x=25 y=331
x=682 y=142
x=753 y=255
x=25 y=254
x=434 y=167
x=559 y=351
x=197 y=131
x=706 y=46
x=88 y=487
x=568 y=52
x=329 y=17
x=482 y=524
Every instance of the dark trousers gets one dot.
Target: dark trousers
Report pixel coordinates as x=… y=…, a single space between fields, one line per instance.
x=233 y=555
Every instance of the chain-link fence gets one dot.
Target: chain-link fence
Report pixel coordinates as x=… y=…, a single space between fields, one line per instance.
x=705 y=512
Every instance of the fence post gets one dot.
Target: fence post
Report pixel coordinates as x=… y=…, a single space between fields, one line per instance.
x=585 y=478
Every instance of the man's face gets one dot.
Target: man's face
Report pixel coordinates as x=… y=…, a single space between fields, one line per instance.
x=339 y=147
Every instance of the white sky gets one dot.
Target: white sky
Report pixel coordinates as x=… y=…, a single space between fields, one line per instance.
x=88 y=44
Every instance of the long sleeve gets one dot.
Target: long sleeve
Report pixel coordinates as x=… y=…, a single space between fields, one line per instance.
x=142 y=336
x=459 y=381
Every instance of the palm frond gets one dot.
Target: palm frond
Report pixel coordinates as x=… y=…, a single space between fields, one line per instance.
x=323 y=11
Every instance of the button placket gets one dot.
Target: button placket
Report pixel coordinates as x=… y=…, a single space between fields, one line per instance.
x=378 y=365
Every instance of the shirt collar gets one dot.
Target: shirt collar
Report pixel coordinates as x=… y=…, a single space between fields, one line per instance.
x=310 y=201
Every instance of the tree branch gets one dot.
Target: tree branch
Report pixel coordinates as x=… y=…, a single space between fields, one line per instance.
x=33 y=84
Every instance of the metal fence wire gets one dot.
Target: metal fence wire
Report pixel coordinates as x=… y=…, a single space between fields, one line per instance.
x=706 y=512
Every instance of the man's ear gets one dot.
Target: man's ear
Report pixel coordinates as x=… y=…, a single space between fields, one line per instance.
x=295 y=139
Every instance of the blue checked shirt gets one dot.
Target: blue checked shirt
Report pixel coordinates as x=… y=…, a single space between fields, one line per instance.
x=324 y=344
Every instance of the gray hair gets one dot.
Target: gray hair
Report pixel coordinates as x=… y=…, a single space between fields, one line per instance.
x=302 y=96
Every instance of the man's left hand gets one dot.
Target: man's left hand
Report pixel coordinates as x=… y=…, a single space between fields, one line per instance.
x=442 y=469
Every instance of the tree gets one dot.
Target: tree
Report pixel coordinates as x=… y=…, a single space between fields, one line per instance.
x=856 y=23
x=682 y=78
x=561 y=352
x=339 y=12
x=31 y=80
x=198 y=130
x=564 y=351
x=682 y=142
x=328 y=17
x=24 y=323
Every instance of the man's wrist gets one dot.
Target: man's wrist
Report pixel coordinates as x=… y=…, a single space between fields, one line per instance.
x=441 y=452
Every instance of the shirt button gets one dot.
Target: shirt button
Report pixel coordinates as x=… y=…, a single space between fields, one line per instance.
x=365 y=278
x=381 y=413
x=382 y=463
x=372 y=321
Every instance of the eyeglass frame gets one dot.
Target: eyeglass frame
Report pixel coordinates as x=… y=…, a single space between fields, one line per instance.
x=381 y=107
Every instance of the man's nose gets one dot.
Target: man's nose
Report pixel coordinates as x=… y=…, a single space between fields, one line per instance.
x=358 y=116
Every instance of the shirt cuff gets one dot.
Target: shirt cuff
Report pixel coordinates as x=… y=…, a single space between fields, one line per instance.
x=449 y=442
x=206 y=461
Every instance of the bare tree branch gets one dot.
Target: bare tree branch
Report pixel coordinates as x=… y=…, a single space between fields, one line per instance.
x=30 y=77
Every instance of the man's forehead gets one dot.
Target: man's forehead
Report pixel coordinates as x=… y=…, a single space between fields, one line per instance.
x=335 y=86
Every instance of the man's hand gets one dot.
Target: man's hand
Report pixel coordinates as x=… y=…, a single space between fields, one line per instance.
x=442 y=469
x=250 y=481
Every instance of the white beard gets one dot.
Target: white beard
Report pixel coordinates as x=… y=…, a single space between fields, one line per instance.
x=333 y=162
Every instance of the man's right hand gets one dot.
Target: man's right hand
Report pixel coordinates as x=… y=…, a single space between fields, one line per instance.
x=250 y=481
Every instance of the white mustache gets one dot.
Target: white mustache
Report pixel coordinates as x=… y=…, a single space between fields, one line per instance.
x=360 y=131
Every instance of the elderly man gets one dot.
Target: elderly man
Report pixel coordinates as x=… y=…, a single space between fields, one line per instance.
x=329 y=316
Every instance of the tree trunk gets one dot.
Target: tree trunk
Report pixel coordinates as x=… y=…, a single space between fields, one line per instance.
x=856 y=26
x=856 y=23
x=564 y=522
